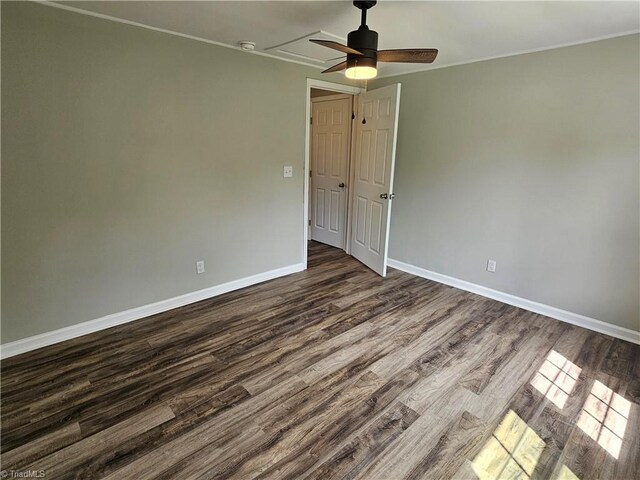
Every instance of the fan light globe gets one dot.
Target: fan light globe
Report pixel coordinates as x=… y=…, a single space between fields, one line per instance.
x=361 y=73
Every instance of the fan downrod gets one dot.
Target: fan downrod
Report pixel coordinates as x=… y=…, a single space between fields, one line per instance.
x=364 y=6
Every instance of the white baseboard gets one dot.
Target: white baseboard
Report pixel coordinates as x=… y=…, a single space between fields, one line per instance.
x=49 y=338
x=553 y=312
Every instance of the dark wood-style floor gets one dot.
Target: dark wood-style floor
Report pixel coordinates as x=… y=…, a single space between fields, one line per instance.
x=329 y=373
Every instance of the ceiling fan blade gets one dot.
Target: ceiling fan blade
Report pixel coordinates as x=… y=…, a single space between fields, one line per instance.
x=336 y=46
x=336 y=68
x=409 y=55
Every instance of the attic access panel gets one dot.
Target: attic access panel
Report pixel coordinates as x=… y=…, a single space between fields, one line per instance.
x=303 y=50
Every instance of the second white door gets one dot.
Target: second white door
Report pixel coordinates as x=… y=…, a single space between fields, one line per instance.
x=330 y=145
x=375 y=155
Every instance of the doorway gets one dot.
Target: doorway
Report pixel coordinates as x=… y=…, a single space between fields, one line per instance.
x=329 y=166
x=349 y=165
x=322 y=88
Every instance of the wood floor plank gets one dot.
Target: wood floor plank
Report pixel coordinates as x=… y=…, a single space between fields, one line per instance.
x=358 y=453
x=448 y=455
x=224 y=427
x=60 y=463
x=510 y=342
x=294 y=439
x=44 y=445
x=621 y=359
x=205 y=463
x=116 y=405
x=399 y=458
x=138 y=447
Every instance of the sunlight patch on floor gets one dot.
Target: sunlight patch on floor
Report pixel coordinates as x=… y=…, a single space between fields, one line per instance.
x=565 y=473
x=512 y=451
x=556 y=378
x=604 y=418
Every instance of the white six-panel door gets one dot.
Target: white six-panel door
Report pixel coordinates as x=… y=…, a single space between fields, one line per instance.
x=330 y=145
x=375 y=149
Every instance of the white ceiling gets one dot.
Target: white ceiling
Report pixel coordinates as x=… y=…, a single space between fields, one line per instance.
x=462 y=31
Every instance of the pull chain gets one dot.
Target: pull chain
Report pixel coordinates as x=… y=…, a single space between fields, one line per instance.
x=364 y=120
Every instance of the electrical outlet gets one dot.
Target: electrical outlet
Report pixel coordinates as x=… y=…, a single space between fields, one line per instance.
x=491 y=265
x=288 y=171
x=200 y=266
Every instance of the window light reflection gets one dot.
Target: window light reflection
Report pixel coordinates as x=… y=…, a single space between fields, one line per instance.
x=565 y=474
x=512 y=451
x=556 y=378
x=604 y=418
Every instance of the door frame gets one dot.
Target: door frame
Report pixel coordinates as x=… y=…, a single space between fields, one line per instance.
x=333 y=87
x=352 y=107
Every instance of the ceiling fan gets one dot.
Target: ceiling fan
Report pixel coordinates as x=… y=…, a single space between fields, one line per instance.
x=363 y=54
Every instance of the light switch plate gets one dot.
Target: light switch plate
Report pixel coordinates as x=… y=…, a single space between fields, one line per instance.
x=288 y=171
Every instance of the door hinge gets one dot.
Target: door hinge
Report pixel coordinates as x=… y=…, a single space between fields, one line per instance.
x=309 y=222
x=310 y=120
x=309 y=172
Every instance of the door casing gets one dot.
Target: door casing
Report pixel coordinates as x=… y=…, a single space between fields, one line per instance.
x=338 y=88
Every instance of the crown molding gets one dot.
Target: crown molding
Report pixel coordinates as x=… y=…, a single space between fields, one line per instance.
x=520 y=52
x=169 y=32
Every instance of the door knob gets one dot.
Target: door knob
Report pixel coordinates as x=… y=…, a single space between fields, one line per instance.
x=341 y=184
x=384 y=196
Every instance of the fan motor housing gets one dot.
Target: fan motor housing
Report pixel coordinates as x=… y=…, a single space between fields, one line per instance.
x=365 y=41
